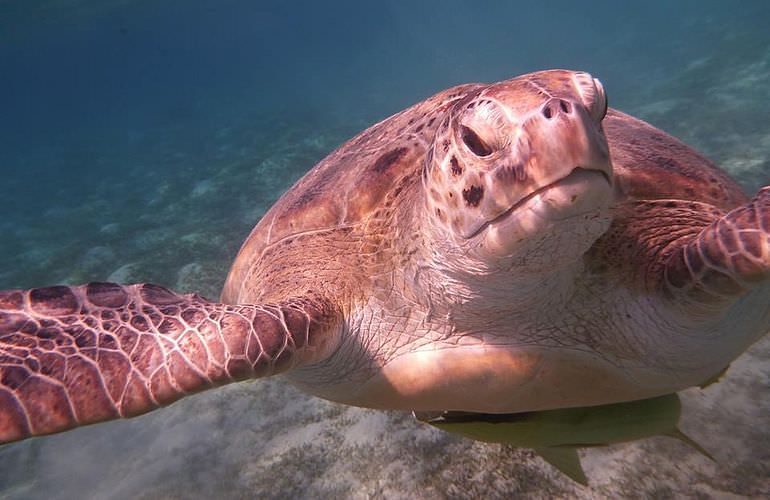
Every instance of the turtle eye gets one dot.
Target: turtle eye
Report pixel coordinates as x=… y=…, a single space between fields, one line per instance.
x=474 y=142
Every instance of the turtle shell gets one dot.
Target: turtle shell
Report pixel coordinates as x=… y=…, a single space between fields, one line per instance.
x=381 y=167
x=375 y=167
x=649 y=164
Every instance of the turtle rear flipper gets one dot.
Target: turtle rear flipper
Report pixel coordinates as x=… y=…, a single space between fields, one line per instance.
x=71 y=356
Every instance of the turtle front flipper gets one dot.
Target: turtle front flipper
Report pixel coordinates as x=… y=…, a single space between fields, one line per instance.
x=692 y=251
x=706 y=272
x=727 y=258
x=72 y=356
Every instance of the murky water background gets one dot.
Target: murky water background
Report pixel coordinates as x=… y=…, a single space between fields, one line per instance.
x=141 y=141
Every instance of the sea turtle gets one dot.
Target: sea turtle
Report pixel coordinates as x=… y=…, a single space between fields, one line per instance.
x=495 y=248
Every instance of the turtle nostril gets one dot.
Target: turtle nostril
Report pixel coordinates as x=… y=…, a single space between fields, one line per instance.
x=551 y=109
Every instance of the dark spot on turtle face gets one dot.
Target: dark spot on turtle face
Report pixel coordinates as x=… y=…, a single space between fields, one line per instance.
x=456 y=168
x=430 y=122
x=473 y=195
x=385 y=161
x=419 y=127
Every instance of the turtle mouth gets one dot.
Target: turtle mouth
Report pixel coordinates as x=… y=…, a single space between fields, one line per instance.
x=584 y=177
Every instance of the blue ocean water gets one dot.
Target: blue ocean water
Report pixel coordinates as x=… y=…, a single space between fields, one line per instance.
x=141 y=140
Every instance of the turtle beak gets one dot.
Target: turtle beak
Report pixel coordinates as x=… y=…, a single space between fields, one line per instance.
x=567 y=135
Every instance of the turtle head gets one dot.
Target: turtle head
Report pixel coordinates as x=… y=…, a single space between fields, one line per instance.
x=521 y=161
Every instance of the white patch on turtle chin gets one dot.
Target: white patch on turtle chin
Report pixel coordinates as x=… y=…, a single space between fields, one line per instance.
x=573 y=212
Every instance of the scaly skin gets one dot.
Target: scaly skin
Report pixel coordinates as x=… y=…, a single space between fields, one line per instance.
x=728 y=258
x=690 y=250
x=71 y=356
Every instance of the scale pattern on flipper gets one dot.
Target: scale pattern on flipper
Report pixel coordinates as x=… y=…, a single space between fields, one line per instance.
x=77 y=355
x=730 y=256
